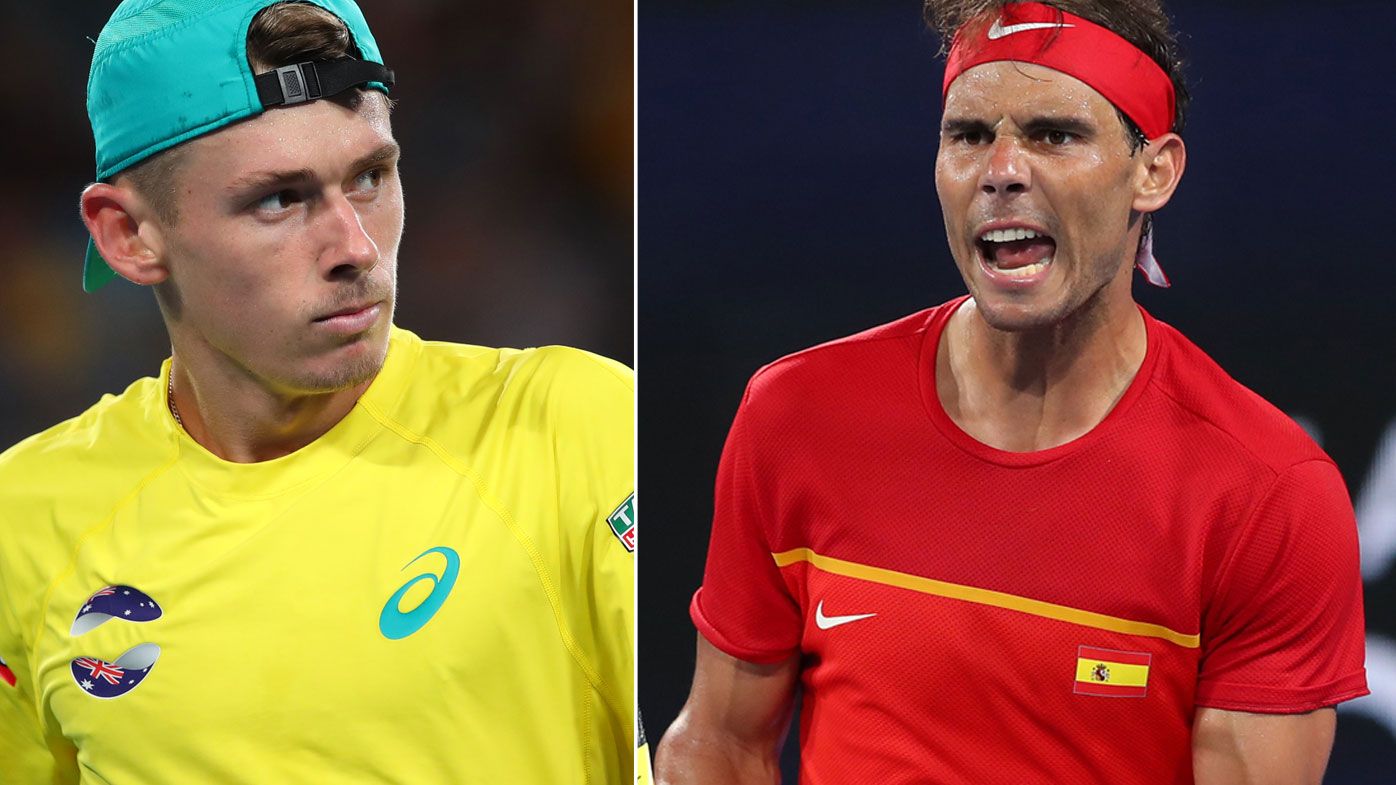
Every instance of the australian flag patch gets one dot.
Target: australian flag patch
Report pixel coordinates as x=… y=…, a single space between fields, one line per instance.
x=115 y=602
x=102 y=679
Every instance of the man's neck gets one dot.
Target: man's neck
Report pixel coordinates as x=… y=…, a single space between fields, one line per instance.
x=1034 y=390
x=242 y=420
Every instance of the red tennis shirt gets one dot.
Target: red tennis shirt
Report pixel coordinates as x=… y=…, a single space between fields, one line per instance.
x=965 y=614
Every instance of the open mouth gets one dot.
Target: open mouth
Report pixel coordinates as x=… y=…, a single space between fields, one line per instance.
x=1016 y=252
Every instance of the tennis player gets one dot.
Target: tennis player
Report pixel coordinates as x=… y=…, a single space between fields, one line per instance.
x=316 y=548
x=1032 y=534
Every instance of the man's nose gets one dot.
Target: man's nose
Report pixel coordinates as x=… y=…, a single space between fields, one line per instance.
x=350 y=249
x=1006 y=170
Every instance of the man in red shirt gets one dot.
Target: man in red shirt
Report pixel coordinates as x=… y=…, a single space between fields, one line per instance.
x=1032 y=534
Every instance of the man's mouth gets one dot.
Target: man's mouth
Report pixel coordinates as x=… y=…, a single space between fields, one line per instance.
x=349 y=307
x=352 y=319
x=1016 y=252
x=346 y=311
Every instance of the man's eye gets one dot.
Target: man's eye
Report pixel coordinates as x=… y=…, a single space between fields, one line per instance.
x=1055 y=137
x=369 y=180
x=969 y=137
x=280 y=200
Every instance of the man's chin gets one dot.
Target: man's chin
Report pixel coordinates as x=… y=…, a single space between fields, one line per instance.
x=1018 y=315
x=346 y=366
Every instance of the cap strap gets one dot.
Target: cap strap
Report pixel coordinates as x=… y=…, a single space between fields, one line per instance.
x=294 y=84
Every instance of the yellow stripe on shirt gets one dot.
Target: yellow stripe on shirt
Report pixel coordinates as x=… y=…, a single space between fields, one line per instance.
x=989 y=597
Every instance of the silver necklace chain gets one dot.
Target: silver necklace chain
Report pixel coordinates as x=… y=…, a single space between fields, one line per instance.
x=174 y=410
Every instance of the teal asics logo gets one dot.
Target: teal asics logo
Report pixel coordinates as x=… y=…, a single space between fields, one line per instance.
x=395 y=623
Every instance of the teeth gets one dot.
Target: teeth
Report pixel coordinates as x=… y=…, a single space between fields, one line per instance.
x=1008 y=235
x=1024 y=272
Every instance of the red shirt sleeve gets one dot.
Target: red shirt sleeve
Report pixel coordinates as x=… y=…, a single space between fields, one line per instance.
x=1283 y=632
x=744 y=607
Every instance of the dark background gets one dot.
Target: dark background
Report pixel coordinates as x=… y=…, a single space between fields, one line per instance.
x=787 y=197
x=517 y=126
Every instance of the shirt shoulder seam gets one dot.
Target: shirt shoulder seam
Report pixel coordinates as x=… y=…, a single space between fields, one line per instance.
x=1233 y=438
x=837 y=343
x=1224 y=572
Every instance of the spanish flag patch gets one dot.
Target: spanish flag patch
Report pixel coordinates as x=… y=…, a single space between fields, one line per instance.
x=1116 y=674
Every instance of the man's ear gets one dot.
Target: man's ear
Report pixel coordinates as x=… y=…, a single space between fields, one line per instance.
x=125 y=232
x=1162 y=162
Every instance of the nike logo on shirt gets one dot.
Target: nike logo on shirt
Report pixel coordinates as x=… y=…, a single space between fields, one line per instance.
x=829 y=622
x=998 y=31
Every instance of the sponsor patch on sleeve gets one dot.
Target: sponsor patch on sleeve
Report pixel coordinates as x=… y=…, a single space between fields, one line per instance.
x=622 y=523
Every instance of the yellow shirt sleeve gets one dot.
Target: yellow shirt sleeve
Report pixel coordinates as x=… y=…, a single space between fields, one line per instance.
x=594 y=415
x=25 y=757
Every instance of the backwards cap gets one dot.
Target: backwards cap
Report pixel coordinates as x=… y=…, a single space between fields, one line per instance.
x=1112 y=66
x=167 y=71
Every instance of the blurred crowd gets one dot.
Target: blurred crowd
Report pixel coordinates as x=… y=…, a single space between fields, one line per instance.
x=516 y=121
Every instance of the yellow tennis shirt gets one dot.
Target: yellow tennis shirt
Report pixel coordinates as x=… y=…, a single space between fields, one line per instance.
x=438 y=590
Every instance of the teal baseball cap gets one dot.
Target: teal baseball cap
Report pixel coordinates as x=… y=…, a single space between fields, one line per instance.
x=167 y=71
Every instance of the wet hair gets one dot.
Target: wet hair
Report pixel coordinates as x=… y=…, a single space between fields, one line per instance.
x=281 y=34
x=1143 y=23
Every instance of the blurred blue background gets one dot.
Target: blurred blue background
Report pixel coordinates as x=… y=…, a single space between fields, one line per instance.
x=786 y=154
x=516 y=121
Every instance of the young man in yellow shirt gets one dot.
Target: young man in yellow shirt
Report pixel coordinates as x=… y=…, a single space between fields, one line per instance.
x=315 y=548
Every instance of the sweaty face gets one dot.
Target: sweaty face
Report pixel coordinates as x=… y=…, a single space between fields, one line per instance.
x=1036 y=182
x=283 y=259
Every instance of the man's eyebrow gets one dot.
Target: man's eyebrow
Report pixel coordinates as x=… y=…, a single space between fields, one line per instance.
x=388 y=151
x=258 y=180
x=960 y=125
x=1072 y=125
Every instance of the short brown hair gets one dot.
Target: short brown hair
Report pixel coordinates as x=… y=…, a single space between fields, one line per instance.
x=294 y=32
x=1141 y=22
x=281 y=34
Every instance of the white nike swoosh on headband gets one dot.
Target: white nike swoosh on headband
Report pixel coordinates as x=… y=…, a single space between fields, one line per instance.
x=998 y=31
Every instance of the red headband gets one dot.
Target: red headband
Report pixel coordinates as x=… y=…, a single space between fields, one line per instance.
x=1047 y=36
